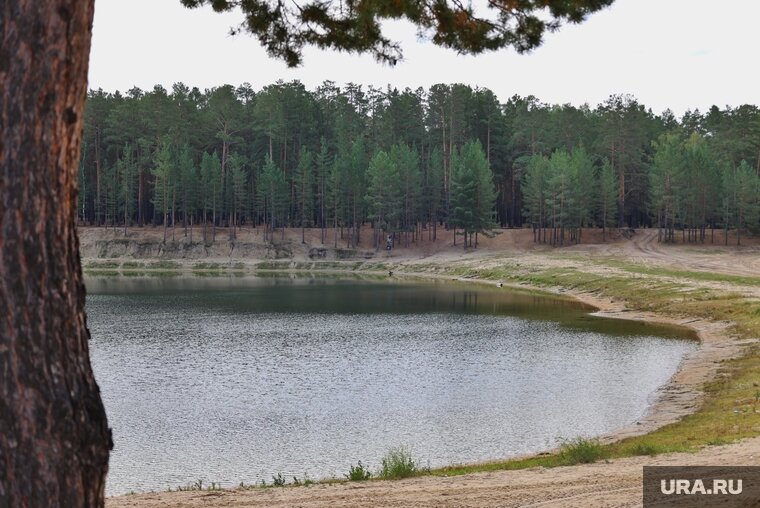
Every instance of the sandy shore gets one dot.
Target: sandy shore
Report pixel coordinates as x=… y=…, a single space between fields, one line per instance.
x=614 y=483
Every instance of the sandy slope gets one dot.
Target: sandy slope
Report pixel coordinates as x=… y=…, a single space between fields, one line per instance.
x=605 y=484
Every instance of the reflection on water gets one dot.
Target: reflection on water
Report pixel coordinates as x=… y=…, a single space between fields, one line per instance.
x=240 y=379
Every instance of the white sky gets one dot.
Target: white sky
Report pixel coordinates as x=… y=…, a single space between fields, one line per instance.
x=681 y=54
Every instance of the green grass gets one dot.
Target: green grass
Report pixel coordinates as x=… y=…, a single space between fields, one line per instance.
x=358 y=473
x=398 y=463
x=580 y=451
x=207 y=266
x=132 y=265
x=164 y=264
x=643 y=448
x=198 y=486
x=101 y=265
x=575 y=451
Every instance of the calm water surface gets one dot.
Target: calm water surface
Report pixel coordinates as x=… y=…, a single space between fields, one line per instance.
x=232 y=380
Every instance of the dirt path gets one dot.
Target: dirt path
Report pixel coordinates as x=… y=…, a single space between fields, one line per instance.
x=729 y=260
x=612 y=484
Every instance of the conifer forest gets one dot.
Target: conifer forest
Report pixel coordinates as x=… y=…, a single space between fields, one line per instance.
x=409 y=162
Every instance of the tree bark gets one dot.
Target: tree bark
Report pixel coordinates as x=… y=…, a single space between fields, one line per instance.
x=54 y=437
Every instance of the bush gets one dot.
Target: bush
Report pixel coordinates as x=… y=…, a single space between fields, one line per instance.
x=358 y=473
x=398 y=463
x=580 y=451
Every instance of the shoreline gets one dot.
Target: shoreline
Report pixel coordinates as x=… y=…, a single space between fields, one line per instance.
x=680 y=396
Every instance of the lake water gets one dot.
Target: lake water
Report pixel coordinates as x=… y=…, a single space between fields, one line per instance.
x=239 y=379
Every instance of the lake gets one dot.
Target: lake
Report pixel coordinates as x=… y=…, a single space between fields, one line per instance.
x=239 y=379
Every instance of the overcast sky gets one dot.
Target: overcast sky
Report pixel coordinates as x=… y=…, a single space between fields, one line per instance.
x=677 y=54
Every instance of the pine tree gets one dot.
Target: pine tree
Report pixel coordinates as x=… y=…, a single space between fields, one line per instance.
x=356 y=189
x=272 y=197
x=127 y=168
x=238 y=190
x=211 y=175
x=406 y=160
x=747 y=204
x=304 y=186
x=322 y=169
x=666 y=180
x=606 y=198
x=433 y=190
x=534 y=187
x=583 y=175
x=162 y=186
x=382 y=194
x=335 y=198
x=561 y=201
x=188 y=187
x=110 y=193
x=729 y=203
x=705 y=183
x=473 y=195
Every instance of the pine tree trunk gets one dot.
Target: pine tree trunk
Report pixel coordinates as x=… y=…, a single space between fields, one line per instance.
x=335 y=226
x=174 y=210
x=738 y=229
x=98 y=199
x=54 y=437
x=213 y=221
x=140 y=194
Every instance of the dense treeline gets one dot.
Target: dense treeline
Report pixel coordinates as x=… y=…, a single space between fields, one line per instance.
x=412 y=161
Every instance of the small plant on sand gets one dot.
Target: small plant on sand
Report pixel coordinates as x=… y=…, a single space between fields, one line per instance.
x=398 y=463
x=279 y=480
x=197 y=485
x=306 y=482
x=358 y=473
x=580 y=451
